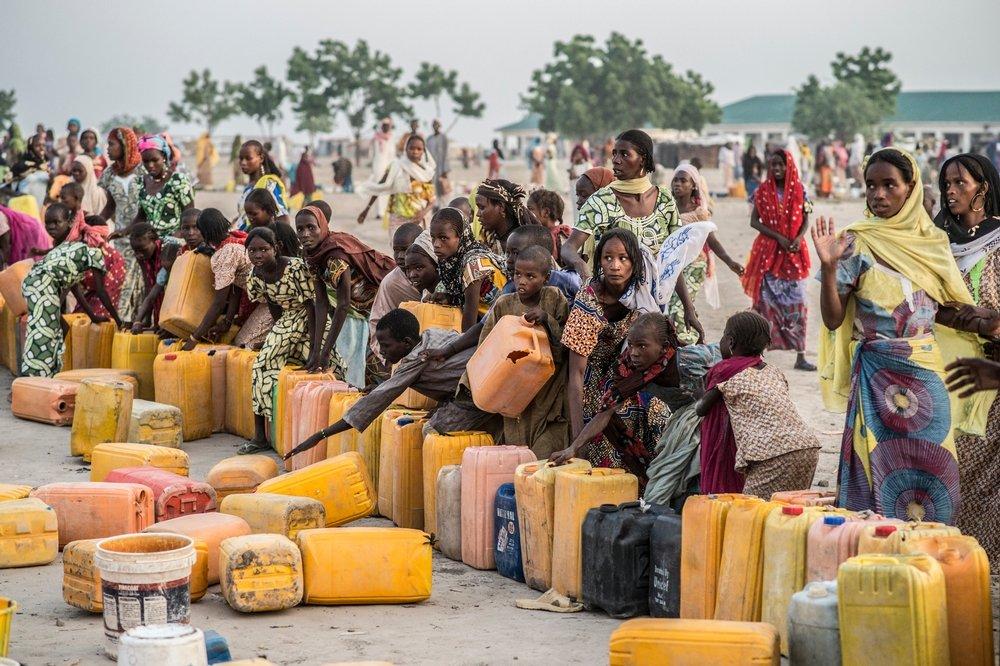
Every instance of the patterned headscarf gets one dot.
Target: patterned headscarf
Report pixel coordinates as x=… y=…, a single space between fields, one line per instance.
x=155 y=142
x=450 y=269
x=426 y=245
x=493 y=189
x=130 y=148
x=512 y=196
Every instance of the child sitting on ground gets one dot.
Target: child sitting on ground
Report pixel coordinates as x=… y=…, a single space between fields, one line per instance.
x=752 y=438
x=547 y=206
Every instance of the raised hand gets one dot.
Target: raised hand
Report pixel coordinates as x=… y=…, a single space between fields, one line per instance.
x=829 y=247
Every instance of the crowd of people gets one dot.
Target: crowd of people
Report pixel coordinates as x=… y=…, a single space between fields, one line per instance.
x=636 y=385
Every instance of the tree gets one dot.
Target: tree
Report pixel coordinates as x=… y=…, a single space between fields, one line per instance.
x=310 y=104
x=869 y=71
x=863 y=95
x=261 y=99
x=467 y=104
x=433 y=83
x=592 y=90
x=205 y=100
x=143 y=125
x=8 y=99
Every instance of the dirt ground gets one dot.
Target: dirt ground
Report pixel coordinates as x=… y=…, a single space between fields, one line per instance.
x=470 y=618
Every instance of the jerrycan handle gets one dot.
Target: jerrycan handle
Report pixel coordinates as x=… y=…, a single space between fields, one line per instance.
x=533 y=330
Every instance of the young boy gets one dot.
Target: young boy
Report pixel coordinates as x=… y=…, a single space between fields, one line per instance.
x=400 y=341
x=534 y=235
x=396 y=287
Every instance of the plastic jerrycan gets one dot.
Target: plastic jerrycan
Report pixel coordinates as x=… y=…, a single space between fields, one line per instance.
x=92 y=510
x=967 y=588
x=75 y=345
x=510 y=367
x=805 y=497
x=407 y=476
x=115 y=455
x=99 y=342
x=43 y=399
x=665 y=566
x=240 y=474
x=742 y=563
x=440 y=450
x=184 y=380
x=13 y=491
x=136 y=352
x=173 y=495
x=30 y=532
x=188 y=294
x=813 y=626
x=508 y=532
x=310 y=413
x=392 y=434
x=260 y=572
x=432 y=315
x=102 y=414
x=651 y=641
x=703 y=524
x=81 y=583
x=535 y=487
x=11 y=279
x=887 y=537
x=239 y=410
x=904 y=596
x=832 y=540
x=576 y=492
x=484 y=470
x=213 y=528
x=267 y=513
x=156 y=423
x=341 y=484
x=336 y=406
x=784 y=562
x=449 y=512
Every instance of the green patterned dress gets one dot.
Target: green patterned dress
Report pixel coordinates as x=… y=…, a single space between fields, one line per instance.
x=43 y=289
x=163 y=209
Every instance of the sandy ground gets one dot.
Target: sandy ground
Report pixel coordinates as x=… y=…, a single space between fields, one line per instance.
x=470 y=619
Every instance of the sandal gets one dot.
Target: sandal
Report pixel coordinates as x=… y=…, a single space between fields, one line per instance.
x=805 y=365
x=251 y=446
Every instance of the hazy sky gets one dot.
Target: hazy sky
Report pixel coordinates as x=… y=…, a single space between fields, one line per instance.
x=95 y=59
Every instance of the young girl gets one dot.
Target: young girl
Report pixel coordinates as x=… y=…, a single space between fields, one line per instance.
x=547 y=206
x=263 y=174
x=500 y=207
x=95 y=233
x=154 y=257
x=286 y=286
x=631 y=417
x=422 y=265
x=347 y=274
x=752 y=438
x=94 y=198
x=45 y=288
x=409 y=182
x=472 y=276
x=260 y=209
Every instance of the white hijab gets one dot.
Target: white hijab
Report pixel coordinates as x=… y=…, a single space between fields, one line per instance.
x=397 y=181
x=94 y=198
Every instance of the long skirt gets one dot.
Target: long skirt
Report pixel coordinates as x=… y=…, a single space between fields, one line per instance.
x=789 y=471
x=43 y=339
x=677 y=464
x=898 y=453
x=694 y=276
x=979 y=476
x=133 y=289
x=783 y=304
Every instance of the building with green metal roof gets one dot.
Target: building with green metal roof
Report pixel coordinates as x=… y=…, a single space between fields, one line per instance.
x=965 y=118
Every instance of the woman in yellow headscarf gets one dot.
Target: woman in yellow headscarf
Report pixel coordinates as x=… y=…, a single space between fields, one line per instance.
x=206 y=157
x=890 y=292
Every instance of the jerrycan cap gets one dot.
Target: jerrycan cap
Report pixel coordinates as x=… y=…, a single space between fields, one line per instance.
x=833 y=520
x=791 y=510
x=609 y=508
x=816 y=590
x=884 y=530
x=404 y=420
x=170 y=357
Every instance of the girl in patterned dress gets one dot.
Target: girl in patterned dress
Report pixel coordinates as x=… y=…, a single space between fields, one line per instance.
x=166 y=192
x=752 y=438
x=631 y=418
x=286 y=286
x=45 y=287
x=347 y=274
x=263 y=174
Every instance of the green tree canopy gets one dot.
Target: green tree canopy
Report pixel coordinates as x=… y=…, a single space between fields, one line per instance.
x=8 y=100
x=205 y=100
x=261 y=99
x=598 y=90
x=143 y=125
x=433 y=83
x=869 y=71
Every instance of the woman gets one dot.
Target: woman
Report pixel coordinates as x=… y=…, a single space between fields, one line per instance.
x=970 y=215
x=20 y=236
x=409 y=181
x=598 y=322
x=500 y=206
x=305 y=182
x=495 y=161
x=95 y=199
x=887 y=282
x=631 y=202
x=205 y=158
x=262 y=174
x=122 y=180
x=89 y=145
x=753 y=169
x=165 y=193
x=347 y=274
x=690 y=192
x=825 y=160
x=778 y=267
x=30 y=175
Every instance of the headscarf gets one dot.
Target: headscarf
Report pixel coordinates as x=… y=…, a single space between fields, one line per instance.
x=785 y=216
x=450 y=269
x=580 y=148
x=705 y=206
x=600 y=176
x=26 y=232
x=97 y=139
x=702 y=198
x=426 y=245
x=130 y=149
x=371 y=264
x=909 y=243
x=512 y=196
x=155 y=142
x=74 y=121
x=83 y=232
x=397 y=180
x=174 y=157
x=94 y=197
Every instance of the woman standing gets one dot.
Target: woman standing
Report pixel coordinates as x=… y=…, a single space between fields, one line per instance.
x=205 y=157
x=305 y=182
x=887 y=282
x=409 y=181
x=598 y=322
x=263 y=174
x=689 y=191
x=970 y=215
x=753 y=169
x=122 y=180
x=631 y=202
x=496 y=161
x=165 y=193
x=778 y=267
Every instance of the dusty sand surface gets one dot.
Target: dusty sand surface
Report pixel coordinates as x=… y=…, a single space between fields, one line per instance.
x=470 y=619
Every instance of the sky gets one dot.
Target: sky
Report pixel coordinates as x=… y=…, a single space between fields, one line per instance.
x=96 y=59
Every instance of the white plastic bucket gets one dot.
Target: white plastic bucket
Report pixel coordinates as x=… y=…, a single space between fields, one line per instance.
x=145 y=580
x=163 y=645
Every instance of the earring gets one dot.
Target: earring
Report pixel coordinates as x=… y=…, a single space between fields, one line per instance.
x=981 y=208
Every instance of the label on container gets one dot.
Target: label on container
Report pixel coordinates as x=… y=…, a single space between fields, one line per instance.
x=128 y=605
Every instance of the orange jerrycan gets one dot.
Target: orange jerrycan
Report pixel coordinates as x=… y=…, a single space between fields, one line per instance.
x=189 y=294
x=239 y=410
x=340 y=483
x=484 y=470
x=217 y=359
x=440 y=450
x=903 y=596
x=281 y=426
x=212 y=528
x=43 y=399
x=805 y=497
x=510 y=367
x=184 y=380
x=535 y=491
x=13 y=491
x=742 y=563
x=888 y=536
x=11 y=279
x=336 y=406
x=99 y=342
x=832 y=541
x=89 y=510
x=967 y=588
x=116 y=455
x=240 y=474
x=81 y=582
x=260 y=572
x=136 y=352
x=75 y=345
x=677 y=642
x=102 y=414
x=310 y=412
x=370 y=450
x=432 y=315
x=703 y=524
x=396 y=424
x=577 y=492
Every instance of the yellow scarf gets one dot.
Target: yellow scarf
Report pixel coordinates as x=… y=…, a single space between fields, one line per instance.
x=632 y=186
x=912 y=245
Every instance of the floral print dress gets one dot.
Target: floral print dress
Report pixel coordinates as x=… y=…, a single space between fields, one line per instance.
x=125 y=192
x=163 y=209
